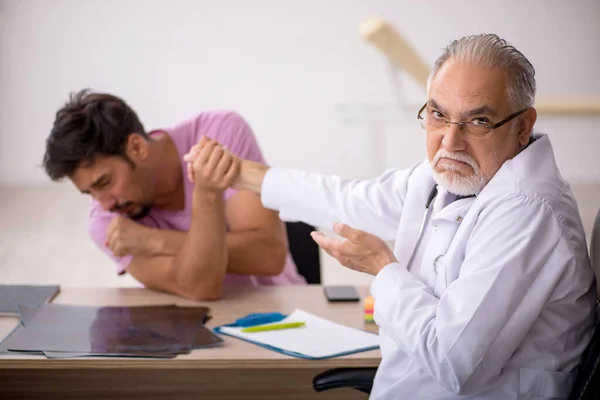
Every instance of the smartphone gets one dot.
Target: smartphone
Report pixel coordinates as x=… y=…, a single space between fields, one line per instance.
x=341 y=293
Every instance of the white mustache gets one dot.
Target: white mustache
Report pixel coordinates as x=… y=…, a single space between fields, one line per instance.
x=442 y=153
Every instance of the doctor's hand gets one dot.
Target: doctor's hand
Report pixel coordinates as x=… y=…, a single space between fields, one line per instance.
x=211 y=166
x=358 y=250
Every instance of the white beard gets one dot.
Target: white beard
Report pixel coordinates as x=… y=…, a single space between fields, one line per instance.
x=453 y=182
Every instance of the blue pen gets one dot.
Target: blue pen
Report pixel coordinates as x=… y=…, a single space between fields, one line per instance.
x=259 y=319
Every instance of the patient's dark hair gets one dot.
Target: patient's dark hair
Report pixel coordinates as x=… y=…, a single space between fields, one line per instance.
x=87 y=125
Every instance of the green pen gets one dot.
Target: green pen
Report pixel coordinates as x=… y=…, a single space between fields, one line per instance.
x=272 y=327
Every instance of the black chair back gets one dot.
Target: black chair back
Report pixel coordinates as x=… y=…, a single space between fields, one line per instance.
x=587 y=383
x=595 y=250
x=304 y=251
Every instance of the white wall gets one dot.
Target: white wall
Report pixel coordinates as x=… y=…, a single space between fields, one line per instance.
x=288 y=66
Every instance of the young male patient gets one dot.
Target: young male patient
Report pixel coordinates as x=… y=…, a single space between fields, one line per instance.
x=173 y=235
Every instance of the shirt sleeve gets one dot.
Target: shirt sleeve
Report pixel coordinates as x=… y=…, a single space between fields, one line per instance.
x=374 y=205
x=514 y=259
x=97 y=225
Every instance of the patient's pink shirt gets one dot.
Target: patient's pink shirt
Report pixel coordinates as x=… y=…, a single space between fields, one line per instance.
x=233 y=132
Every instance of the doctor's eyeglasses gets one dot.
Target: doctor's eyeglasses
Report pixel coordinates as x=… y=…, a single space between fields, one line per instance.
x=477 y=128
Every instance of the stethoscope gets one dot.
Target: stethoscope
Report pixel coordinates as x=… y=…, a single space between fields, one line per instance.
x=428 y=209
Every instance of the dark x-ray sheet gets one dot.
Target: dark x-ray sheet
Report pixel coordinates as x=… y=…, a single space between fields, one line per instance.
x=143 y=331
x=65 y=354
x=5 y=351
x=28 y=295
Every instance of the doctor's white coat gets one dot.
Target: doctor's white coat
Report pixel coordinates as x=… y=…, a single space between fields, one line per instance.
x=499 y=301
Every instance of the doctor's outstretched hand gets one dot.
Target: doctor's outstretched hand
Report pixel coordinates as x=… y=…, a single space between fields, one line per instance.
x=358 y=250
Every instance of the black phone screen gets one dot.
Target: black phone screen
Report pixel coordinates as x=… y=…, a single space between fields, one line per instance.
x=341 y=293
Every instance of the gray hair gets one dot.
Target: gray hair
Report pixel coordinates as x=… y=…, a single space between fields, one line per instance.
x=489 y=51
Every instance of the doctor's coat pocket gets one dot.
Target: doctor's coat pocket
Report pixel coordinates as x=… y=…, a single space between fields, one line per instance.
x=542 y=384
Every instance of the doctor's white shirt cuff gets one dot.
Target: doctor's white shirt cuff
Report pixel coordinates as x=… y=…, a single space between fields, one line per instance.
x=387 y=276
x=274 y=187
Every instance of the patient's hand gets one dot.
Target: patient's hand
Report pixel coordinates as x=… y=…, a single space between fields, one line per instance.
x=126 y=237
x=248 y=175
x=211 y=166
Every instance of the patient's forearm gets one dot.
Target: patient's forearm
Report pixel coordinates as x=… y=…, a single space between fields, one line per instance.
x=201 y=264
x=167 y=242
x=252 y=252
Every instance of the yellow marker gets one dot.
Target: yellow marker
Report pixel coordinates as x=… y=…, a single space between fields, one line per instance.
x=272 y=327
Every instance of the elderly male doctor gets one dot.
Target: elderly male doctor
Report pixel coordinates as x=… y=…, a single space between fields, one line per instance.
x=489 y=292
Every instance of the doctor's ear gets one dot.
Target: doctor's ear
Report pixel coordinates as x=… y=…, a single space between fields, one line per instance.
x=526 y=126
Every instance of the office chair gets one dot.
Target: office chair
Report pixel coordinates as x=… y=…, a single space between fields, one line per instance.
x=360 y=379
x=587 y=380
x=595 y=249
x=304 y=251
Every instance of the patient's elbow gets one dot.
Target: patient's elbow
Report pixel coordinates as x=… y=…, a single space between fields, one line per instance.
x=275 y=263
x=204 y=292
x=206 y=295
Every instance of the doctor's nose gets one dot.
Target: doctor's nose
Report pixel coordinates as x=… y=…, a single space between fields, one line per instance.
x=454 y=139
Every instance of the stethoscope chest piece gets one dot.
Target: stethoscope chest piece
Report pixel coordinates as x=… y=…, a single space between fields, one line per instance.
x=438 y=261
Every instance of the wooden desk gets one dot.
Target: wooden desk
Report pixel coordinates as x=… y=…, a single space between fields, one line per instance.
x=236 y=370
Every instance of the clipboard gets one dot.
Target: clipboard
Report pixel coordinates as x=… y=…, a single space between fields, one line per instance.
x=318 y=339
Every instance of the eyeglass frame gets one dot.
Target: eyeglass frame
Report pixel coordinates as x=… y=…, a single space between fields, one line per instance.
x=463 y=123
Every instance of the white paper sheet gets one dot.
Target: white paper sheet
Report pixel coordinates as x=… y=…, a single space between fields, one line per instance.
x=319 y=338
